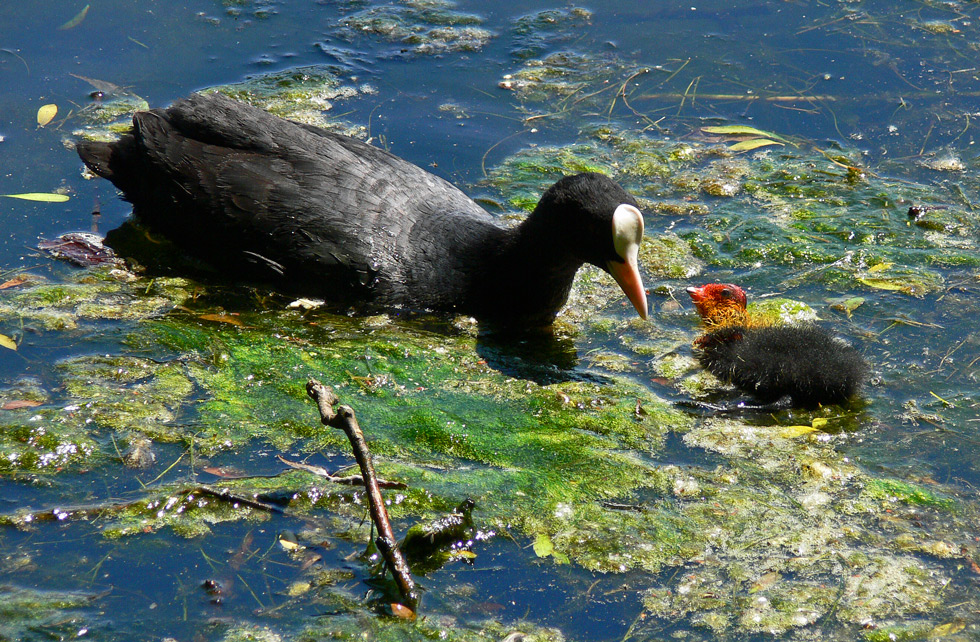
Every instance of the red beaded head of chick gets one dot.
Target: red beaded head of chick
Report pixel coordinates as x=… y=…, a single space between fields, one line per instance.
x=719 y=303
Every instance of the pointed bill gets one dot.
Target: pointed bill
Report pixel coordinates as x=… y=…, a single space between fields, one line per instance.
x=627 y=235
x=628 y=278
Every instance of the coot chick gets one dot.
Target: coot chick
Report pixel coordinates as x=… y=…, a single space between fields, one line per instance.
x=801 y=362
x=269 y=200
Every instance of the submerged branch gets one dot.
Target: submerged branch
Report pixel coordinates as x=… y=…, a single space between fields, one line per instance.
x=342 y=417
x=352 y=480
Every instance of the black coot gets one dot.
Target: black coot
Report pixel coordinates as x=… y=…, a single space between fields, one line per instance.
x=266 y=199
x=802 y=362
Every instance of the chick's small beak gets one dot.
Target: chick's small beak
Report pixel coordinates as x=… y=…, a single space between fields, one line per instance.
x=628 y=277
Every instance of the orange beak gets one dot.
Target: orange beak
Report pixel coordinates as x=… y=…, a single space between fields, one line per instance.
x=627 y=275
x=698 y=296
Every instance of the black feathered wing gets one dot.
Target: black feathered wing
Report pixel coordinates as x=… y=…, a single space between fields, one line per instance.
x=292 y=203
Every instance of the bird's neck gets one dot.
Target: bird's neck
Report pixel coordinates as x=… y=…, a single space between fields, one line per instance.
x=530 y=272
x=725 y=316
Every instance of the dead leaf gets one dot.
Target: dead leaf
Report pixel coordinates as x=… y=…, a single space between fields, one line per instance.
x=14 y=282
x=882 y=284
x=950 y=628
x=289 y=545
x=221 y=318
x=17 y=404
x=755 y=143
x=791 y=432
x=74 y=22
x=740 y=130
x=402 y=611
x=7 y=342
x=46 y=114
x=38 y=196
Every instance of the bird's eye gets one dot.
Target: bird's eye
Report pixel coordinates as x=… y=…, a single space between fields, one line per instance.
x=726 y=293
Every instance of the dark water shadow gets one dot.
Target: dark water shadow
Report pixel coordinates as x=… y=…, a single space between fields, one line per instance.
x=538 y=355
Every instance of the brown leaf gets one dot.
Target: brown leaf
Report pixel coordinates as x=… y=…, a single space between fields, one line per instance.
x=221 y=318
x=14 y=282
x=402 y=611
x=225 y=472
x=17 y=404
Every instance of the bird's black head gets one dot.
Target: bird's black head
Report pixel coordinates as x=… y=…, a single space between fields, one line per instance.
x=601 y=224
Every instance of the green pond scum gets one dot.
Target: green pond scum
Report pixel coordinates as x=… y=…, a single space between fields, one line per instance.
x=159 y=416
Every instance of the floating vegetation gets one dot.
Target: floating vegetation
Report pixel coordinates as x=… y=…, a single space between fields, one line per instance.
x=302 y=94
x=565 y=80
x=98 y=294
x=421 y=27
x=109 y=112
x=944 y=162
x=25 y=613
x=535 y=32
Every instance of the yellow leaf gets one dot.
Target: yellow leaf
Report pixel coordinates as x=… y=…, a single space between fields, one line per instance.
x=38 y=196
x=847 y=304
x=791 y=432
x=879 y=267
x=543 y=546
x=882 y=284
x=950 y=628
x=74 y=22
x=298 y=588
x=755 y=143
x=7 y=342
x=740 y=130
x=46 y=114
x=289 y=545
x=819 y=423
x=735 y=130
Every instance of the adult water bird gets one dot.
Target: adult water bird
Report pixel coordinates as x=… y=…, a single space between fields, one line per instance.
x=266 y=199
x=801 y=362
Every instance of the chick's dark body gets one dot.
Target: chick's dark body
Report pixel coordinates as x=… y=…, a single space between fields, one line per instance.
x=803 y=362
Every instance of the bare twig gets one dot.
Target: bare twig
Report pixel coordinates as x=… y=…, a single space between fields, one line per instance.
x=342 y=417
x=352 y=480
